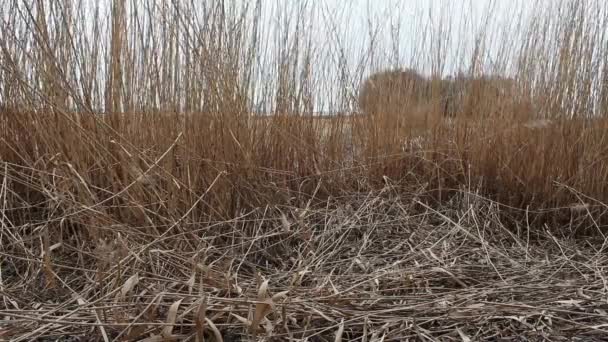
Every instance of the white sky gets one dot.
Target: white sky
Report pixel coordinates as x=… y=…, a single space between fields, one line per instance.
x=417 y=21
x=342 y=32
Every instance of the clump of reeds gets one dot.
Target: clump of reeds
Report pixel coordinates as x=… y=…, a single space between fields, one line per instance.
x=165 y=173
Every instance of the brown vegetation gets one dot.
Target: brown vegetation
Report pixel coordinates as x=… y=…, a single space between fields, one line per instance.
x=485 y=97
x=401 y=98
x=406 y=98
x=392 y=90
x=179 y=215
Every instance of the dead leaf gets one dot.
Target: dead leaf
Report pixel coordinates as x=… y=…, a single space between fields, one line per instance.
x=129 y=285
x=262 y=309
x=215 y=330
x=464 y=337
x=242 y=319
x=200 y=320
x=475 y=306
x=570 y=302
x=340 y=332
x=191 y=282
x=285 y=223
x=55 y=246
x=280 y=295
x=171 y=317
x=263 y=290
x=579 y=207
x=582 y=294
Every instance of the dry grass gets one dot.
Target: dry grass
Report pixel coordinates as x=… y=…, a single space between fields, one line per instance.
x=373 y=266
x=180 y=215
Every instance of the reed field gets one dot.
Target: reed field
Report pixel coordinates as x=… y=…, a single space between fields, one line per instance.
x=218 y=171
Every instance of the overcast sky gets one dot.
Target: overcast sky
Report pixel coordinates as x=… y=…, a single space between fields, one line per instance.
x=413 y=24
x=341 y=31
x=463 y=19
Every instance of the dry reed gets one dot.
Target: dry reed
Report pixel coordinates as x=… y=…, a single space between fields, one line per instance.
x=143 y=194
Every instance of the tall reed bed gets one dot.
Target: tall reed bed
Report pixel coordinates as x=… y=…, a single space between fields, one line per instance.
x=151 y=112
x=166 y=173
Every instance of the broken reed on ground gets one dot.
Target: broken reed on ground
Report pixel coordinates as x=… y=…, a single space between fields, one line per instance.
x=366 y=266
